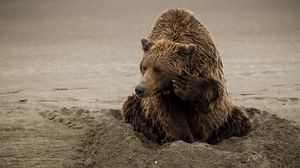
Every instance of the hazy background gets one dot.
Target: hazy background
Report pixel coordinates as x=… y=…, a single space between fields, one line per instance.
x=86 y=53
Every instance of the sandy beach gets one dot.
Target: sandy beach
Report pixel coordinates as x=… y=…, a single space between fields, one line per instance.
x=66 y=67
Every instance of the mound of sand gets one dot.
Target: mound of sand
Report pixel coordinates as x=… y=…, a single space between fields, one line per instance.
x=109 y=142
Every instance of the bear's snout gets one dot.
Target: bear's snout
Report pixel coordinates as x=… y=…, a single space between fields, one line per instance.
x=139 y=90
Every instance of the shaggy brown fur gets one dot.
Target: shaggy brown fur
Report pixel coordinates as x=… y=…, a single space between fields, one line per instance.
x=182 y=94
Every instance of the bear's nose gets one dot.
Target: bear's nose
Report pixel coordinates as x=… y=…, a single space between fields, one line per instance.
x=139 y=90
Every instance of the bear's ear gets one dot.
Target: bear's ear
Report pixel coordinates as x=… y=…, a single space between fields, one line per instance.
x=188 y=49
x=146 y=44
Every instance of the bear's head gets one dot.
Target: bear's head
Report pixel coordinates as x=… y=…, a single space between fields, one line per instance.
x=162 y=61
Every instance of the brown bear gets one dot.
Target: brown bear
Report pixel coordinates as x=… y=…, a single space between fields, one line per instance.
x=182 y=94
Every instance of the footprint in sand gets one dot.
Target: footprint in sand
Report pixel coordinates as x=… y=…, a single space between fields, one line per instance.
x=23 y=100
x=278 y=85
x=63 y=89
x=287 y=99
x=247 y=94
x=46 y=101
x=263 y=90
x=73 y=117
x=11 y=92
x=247 y=74
x=254 y=92
x=69 y=99
x=59 y=89
x=294 y=99
x=281 y=99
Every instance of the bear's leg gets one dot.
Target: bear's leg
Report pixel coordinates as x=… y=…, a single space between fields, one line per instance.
x=132 y=112
x=238 y=124
x=176 y=127
x=200 y=89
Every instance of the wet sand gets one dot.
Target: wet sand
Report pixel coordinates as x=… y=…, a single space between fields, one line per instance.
x=65 y=53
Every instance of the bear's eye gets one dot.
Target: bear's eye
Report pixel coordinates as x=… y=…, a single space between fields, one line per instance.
x=144 y=68
x=157 y=70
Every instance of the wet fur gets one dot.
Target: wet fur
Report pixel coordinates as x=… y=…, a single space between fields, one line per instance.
x=199 y=108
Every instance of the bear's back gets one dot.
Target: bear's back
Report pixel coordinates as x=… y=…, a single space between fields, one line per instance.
x=181 y=26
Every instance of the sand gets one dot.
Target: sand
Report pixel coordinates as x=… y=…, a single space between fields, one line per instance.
x=63 y=63
x=109 y=142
